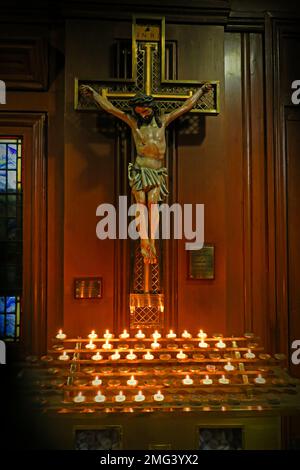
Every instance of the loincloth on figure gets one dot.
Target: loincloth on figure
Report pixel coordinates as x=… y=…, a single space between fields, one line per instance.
x=144 y=179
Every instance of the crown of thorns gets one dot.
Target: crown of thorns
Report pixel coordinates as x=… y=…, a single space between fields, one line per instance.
x=140 y=99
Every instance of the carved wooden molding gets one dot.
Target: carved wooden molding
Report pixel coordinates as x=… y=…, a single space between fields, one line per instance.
x=276 y=30
x=195 y=11
x=24 y=63
x=31 y=127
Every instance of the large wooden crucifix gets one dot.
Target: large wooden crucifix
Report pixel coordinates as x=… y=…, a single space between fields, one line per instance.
x=148 y=103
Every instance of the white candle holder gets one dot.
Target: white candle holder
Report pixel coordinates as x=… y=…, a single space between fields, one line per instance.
x=120 y=397
x=64 y=356
x=203 y=344
x=187 y=380
x=99 y=398
x=171 y=335
x=220 y=344
x=96 y=382
x=107 y=335
x=158 y=396
x=107 y=345
x=202 y=335
x=124 y=335
x=223 y=380
x=60 y=335
x=181 y=355
x=229 y=367
x=131 y=356
x=115 y=356
x=140 y=335
x=90 y=345
x=93 y=335
x=148 y=356
x=156 y=335
x=155 y=344
x=259 y=379
x=139 y=396
x=132 y=382
x=79 y=398
x=186 y=334
x=97 y=357
x=249 y=354
x=207 y=380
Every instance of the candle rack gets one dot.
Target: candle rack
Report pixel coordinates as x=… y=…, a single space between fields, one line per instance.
x=247 y=382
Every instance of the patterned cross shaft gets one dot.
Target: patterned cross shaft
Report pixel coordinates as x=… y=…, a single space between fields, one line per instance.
x=148 y=76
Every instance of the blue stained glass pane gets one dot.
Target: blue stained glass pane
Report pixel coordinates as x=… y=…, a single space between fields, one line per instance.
x=11 y=180
x=10 y=325
x=2 y=326
x=2 y=181
x=10 y=304
x=12 y=156
x=2 y=304
x=2 y=156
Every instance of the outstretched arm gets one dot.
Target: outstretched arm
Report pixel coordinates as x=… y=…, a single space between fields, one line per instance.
x=106 y=105
x=187 y=105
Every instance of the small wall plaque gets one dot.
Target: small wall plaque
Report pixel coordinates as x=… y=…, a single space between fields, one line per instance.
x=201 y=263
x=88 y=288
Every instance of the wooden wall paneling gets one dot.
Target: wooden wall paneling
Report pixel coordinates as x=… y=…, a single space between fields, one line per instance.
x=246 y=200
x=288 y=47
x=122 y=255
x=280 y=203
x=235 y=307
x=287 y=34
x=254 y=184
x=270 y=107
x=281 y=66
x=292 y=129
x=247 y=182
x=258 y=190
x=201 y=162
x=24 y=56
x=92 y=153
x=204 y=12
x=170 y=247
x=50 y=102
x=31 y=127
x=55 y=107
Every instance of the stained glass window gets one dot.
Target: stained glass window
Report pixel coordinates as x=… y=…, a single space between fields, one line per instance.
x=10 y=237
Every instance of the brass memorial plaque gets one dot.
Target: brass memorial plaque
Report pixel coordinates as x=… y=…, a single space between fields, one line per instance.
x=201 y=263
x=88 y=288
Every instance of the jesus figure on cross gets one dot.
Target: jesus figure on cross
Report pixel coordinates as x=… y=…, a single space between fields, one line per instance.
x=147 y=175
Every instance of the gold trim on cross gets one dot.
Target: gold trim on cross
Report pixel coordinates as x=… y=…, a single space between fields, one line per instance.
x=148 y=46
